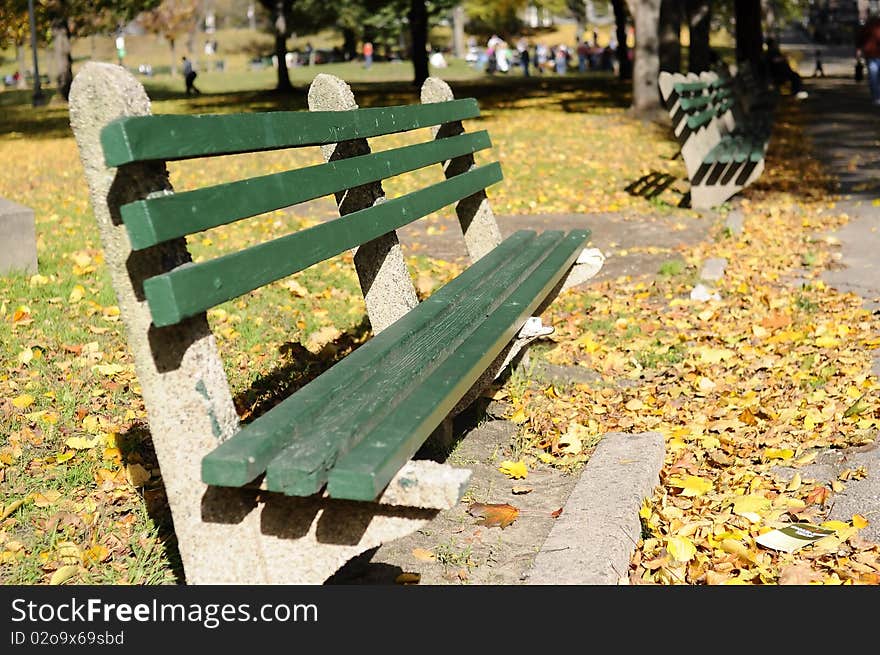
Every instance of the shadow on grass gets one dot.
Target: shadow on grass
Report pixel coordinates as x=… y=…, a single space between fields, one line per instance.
x=571 y=93
x=302 y=367
x=650 y=185
x=138 y=439
x=266 y=392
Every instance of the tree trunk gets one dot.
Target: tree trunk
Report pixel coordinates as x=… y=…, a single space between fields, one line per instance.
x=63 y=60
x=172 y=43
x=646 y=65
x=349 y=43
x=699 y=13
x=624 y=69
x=418 y=24
x=20 y=58
x=458 y=21
x=749 y=36
x=280 y=23
x=670 y=35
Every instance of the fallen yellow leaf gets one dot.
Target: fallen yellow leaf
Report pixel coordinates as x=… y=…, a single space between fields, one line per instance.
x=137 y=475
x=752 y=507
x=514 y=469
x=11 y=507
x=492 y=514
x=424 y=555
x=63 y=574
x=681 y=548
x=691 y=485
x=81 y=443
x=519 y=416
x=23 y=401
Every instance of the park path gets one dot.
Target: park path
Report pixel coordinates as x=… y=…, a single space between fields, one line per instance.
x=845 y=131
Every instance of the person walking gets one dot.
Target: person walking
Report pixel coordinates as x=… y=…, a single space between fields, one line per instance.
x=869 y=49
x=561 y=59
x=583 y=53
x=189 y=76
x=522 y=48
x=819 y=71
x=541 y=55
x=368 y=54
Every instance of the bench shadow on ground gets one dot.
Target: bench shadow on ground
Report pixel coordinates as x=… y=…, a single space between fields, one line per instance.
x=589 y=93
x=264 y=393
x=653 y=185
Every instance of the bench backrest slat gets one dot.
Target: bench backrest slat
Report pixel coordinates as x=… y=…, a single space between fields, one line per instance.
x=193 y=288
x=695 y=102
x=689 y=87
x=695 y=121
x=173 y=137
x=163 y=218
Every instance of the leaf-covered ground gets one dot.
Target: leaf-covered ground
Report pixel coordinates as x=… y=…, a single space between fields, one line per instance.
x=769 y=374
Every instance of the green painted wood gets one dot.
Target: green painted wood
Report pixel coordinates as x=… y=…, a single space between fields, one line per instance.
x=365 y=471
x=689 y=87
x=173 y=137
x=723 y=106
x=696 y=102
x=155 y=220
x=699 y=120
x=246 y=455
x=193 y=288
x=736 y=149
x=303 y=467
x=718 y=153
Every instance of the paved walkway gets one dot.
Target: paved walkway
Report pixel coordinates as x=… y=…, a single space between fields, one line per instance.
x=845 y=130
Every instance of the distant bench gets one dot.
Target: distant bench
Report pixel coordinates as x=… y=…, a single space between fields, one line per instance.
x=327 y=473
x=723 y=136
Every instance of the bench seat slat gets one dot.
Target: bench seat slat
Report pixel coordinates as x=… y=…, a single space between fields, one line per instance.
x=302 y=468
x=364 y=471
x=174 y=137
x=196 y=287
x=154 y=220
x=246 y=455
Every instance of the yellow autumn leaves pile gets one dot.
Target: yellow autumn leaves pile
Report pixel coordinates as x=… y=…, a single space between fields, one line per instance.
x=748 y=390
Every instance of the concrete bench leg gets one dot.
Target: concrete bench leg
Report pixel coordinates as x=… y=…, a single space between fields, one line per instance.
x=707 y=195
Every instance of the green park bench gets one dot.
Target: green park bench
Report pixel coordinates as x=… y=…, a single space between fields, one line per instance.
x=328 y=473
x=723 y=138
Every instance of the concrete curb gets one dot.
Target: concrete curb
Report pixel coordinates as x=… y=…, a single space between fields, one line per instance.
x=592 y=541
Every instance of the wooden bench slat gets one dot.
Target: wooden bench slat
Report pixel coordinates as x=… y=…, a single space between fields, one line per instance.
x=695 y=121
x=154 y=220
x=174 y=137
x=694 y=102
x=689 y=87
x=194 y=288
x=246 y=455
x=302 y=468
x=364 y=471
